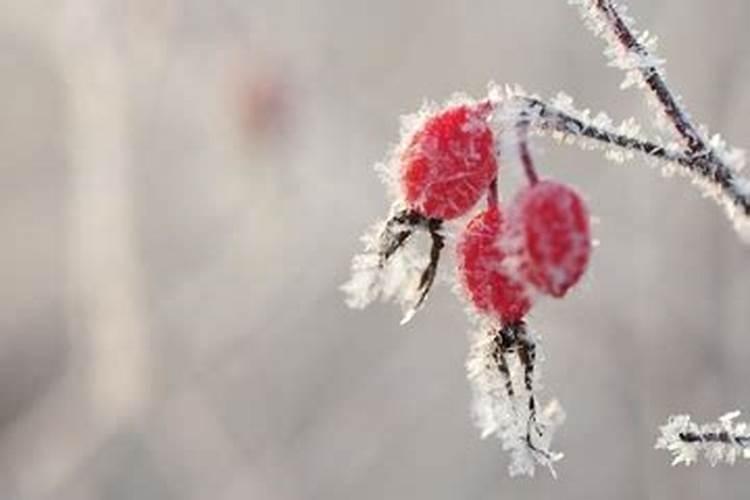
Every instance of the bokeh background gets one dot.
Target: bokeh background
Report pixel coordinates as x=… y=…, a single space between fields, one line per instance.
x=183 y=184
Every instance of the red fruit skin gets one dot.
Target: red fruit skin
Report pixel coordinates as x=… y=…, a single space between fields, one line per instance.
x=488 y=284
x=449 y=162
x=552 y=222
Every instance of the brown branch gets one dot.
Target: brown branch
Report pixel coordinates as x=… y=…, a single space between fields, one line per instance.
x=715 y=437
x=702 y=163
x=653 y=77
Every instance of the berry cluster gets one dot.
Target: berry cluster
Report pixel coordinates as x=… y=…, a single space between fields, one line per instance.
x=537 y=245
x=506 y=256
x=540 y=244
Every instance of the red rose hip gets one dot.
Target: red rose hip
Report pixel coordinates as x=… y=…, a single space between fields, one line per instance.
x=551 y=222
x=449 y=162
x=489 y=285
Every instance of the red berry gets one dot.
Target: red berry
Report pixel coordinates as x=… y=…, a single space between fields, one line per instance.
x=551 y=222
x=449 y=162
x=489 y=285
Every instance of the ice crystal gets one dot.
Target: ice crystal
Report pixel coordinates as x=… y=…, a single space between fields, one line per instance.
x=742 y=226
x=722 y=441
x=639 y=56
x=389 y=170
x=735 y=158
x=741 y=186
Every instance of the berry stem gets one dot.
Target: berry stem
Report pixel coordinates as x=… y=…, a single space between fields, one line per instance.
x=492 y=194
x=493 y=198
x=523 y=150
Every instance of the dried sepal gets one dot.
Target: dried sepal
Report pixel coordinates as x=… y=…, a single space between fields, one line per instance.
x=503 y=369
x=382 y=272
x=392 y=266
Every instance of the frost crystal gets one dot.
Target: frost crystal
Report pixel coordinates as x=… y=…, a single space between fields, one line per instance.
x=721 y=441
x=389 y=169
x=635 y=58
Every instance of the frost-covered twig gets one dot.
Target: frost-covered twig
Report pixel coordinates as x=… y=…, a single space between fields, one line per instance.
x=707 y=165
x=721 y=441
x=629 y=52
x=718 y=177
x=710 y=160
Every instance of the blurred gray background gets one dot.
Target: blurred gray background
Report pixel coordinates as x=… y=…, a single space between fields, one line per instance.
x=183 y=184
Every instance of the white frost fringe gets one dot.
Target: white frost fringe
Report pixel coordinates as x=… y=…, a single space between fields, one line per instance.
x=721 y=441
x=507 y=418
x=393 y=281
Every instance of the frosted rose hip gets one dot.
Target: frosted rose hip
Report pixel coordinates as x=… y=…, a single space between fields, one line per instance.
x=449 y=162
x=489 y=286
x=552 y=224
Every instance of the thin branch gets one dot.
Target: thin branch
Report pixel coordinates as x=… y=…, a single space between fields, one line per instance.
x=702 y=163
x=723 y=437
x=523 y=151
x=653 y=77
x=722 y=441
x=632 y=52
